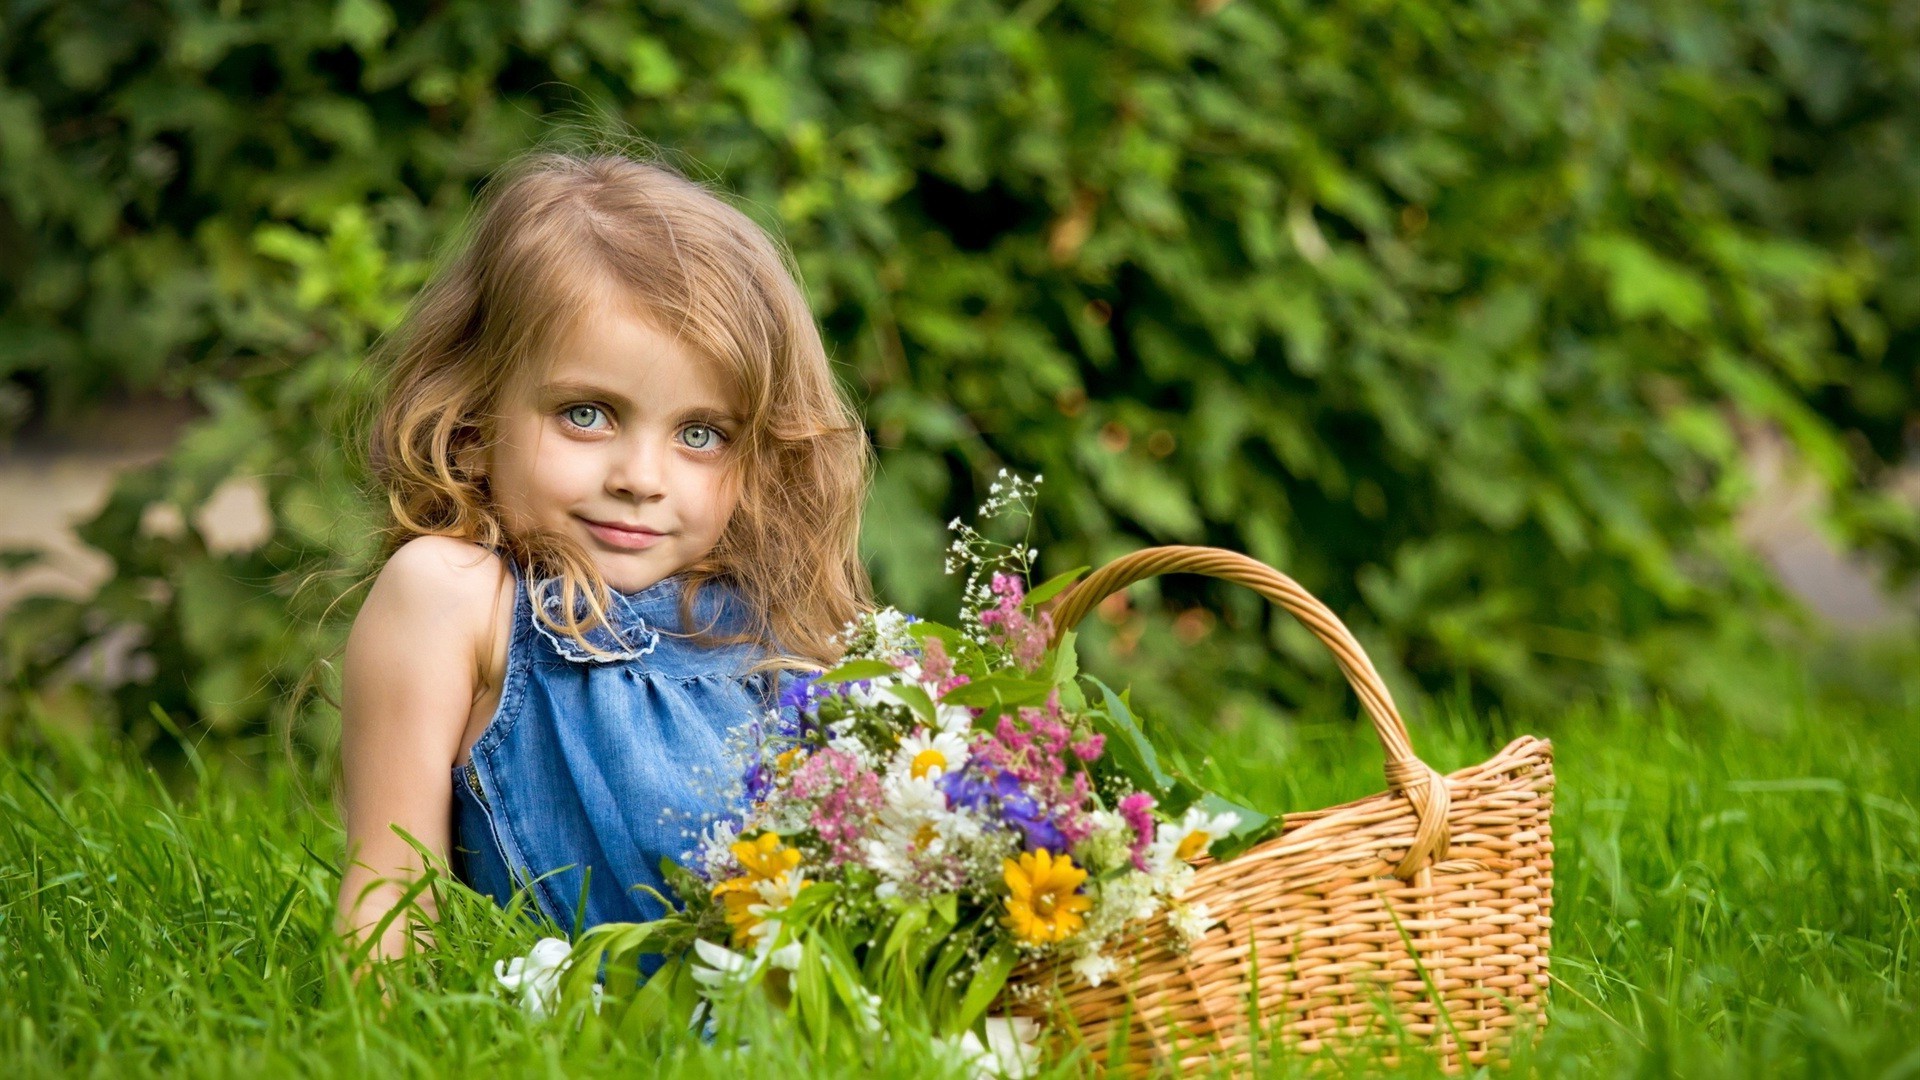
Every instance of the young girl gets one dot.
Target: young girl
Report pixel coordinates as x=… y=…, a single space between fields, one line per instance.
x=624 y=492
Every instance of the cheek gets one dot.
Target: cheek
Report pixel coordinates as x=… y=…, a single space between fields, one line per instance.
x=722 y=495
x=532 y=472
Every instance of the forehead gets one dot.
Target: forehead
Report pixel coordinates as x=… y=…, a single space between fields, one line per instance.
x=625 y=353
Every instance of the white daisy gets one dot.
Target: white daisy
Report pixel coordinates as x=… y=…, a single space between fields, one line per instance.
x=926 y=755
x=909 y=826
x=1188 y=839
x=922 y=844
x=957 y=719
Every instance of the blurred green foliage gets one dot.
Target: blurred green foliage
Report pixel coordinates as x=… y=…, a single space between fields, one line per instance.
x=1455 y=311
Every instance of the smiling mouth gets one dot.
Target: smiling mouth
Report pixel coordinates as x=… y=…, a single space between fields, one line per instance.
x=625 y=537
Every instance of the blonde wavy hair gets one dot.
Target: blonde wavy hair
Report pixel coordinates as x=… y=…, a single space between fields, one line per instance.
x=548 y=232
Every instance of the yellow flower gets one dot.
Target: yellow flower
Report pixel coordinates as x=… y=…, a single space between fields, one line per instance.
x=1042 y=906
x=785 y=760
x=739 y=896
x=765 y=857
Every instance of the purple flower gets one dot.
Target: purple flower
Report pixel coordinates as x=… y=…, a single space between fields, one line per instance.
x=758 y=782
x=799 y=693
x=969 y=790
x=1026 y=815
x=1001 y=795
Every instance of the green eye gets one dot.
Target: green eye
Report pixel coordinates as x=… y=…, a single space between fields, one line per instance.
x=584 y=416
x=698 y=436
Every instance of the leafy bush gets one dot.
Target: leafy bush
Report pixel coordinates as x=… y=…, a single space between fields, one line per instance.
x=1455 y=312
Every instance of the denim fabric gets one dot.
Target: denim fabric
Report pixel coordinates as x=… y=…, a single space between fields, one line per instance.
x=595 y=767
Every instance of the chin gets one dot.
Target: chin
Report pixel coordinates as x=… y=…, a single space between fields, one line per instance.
x=630 y=578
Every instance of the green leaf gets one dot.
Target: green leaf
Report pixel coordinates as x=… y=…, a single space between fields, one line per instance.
x=811 y=992
x=907 y=926
x=812 y=898
x=953 y=639
x=1253 y=828
x=837 y=960
x=689 y=886
x=988 y=979
x=917 y=699
x=859 y=671
x=1136 y=758
x=1127 y=746
x=1065 y=666
x=1054 y=586
x=998 y=690
x=664 y=1003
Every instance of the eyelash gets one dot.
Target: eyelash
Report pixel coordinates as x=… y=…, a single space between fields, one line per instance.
x=567 y=418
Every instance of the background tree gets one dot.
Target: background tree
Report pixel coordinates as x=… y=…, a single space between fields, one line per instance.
x=1456 y=312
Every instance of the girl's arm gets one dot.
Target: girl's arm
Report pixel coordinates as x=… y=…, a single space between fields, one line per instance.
x=419 y=652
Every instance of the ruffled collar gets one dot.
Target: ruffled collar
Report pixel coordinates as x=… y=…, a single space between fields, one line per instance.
x=638 y=623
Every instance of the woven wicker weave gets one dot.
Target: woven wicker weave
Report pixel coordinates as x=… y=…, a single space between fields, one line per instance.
x=1420 y=914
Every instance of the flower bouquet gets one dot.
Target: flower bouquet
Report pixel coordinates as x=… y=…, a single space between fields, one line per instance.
x=912 y=825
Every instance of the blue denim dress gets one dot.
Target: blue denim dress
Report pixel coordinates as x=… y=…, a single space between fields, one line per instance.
x=595 y=767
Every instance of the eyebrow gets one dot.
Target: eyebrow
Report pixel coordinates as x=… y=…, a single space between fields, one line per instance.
x=554 y=393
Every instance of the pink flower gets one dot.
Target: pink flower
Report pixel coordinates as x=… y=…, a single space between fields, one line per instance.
x=935 y=664
x=1090 y=748
x=846 y=798
x=1136 y=809
x=1021 y=635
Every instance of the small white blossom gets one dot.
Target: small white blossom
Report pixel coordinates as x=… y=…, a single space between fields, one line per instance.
x=1191 y=921
x=1109 y=845
x=1095 y=967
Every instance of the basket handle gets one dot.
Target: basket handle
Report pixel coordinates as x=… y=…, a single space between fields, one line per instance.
x=1405 y=772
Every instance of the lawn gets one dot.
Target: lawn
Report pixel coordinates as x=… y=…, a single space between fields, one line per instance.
x=1732 y=900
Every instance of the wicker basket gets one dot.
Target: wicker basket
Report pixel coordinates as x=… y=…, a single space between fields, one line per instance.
x=1420 y=915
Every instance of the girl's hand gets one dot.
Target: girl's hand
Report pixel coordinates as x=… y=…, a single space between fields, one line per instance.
x=429 y=640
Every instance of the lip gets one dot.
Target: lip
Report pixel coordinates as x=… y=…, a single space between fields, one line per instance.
x=625 y=537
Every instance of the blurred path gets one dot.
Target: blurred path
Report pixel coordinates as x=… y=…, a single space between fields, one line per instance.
x=1844 y=588
x=50 y=481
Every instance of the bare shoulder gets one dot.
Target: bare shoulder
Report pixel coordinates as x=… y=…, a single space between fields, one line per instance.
x=450 y=588
x=446 y=564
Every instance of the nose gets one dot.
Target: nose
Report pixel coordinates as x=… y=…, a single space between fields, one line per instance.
x=637 y=469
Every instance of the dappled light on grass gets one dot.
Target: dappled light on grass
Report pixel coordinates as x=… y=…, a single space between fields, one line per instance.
x=1729 y=903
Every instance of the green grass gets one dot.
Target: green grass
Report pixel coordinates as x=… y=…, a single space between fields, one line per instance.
x=1730 y=902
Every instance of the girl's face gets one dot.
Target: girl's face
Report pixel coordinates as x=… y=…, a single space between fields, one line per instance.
x=622 y=443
